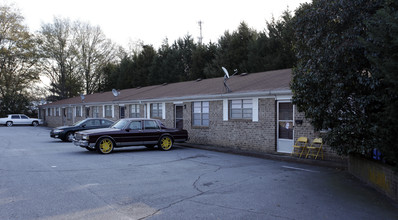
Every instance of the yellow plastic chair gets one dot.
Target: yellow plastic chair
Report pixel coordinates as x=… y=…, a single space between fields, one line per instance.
x=315 y=148
x=300 y=146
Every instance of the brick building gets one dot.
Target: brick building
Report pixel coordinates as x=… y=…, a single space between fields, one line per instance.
x=256 y=115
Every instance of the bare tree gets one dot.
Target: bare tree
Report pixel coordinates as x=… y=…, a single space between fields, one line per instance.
x=59 y=60
x=93 y=51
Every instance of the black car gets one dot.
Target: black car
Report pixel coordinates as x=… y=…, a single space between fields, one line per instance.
x=67 y=133
x=130 y=132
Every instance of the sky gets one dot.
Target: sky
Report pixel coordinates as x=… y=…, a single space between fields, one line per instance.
x=152 y=21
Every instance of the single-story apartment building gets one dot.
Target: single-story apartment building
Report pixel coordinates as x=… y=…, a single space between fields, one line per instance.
x=254 y=112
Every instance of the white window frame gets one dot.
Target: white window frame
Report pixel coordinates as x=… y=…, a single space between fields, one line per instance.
x=201 y=110
x=242 y=108
x=95 y=112
x=136 y=112
x=109 y=111
x=159 y=110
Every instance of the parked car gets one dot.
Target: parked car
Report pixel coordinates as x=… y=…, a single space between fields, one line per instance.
x=19 y=119
x=66 y=133
x=130 y=132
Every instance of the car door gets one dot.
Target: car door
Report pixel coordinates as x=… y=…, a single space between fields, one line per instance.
x=16 y=119
x=92 y=124
x=151 y=132
x=131 y=135
x=24 y=120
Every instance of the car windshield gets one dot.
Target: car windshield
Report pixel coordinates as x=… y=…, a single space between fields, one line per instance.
x=79 y=122
x=120 y=124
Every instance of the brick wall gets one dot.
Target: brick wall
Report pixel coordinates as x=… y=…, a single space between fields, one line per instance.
x=238 y=134
x=306 y=130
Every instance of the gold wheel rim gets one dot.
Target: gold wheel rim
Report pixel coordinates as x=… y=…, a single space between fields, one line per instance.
x=106 y=146
x=166 y=143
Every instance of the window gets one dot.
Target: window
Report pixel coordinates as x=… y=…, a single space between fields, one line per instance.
x=106 y=122
x=108 y=111
x=156 y=110
x=134 y=111
x=78 y=111
x=15 y=117
x=135 y=125
x=241 y=109
x=200 y=113
x=48 y=112
x=151 y=125
x=69 y=113
x=56 y=111
x=95 y=112
x=24 y=117
x=92 y=123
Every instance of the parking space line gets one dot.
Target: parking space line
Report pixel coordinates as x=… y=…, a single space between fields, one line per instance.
x=296 y=168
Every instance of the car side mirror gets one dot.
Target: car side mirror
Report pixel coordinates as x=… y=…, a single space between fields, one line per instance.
x=83 y=125
x=127 y=129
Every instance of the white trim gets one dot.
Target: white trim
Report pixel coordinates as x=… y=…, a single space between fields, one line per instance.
x=148 y=110
x=103 y=111
x=113 y=111
x=163 y=110
x=225 y=109
x=255 y=109
x=284 y=97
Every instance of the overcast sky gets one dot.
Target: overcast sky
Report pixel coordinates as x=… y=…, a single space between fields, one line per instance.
x=154 y=20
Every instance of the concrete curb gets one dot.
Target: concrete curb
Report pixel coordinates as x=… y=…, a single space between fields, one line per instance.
x=277 y=156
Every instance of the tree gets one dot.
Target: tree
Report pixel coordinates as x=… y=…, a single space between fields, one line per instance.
x=382 y=50
x=93 y=51
x=333 y=82
x=273 y=48
x=59 y=61
x=18 y=57
x=232 y=52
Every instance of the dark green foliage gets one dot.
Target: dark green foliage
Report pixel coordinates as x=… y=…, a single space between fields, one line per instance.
x=382 y=51
x=17 y=103
x=334 y=82
x=244 y=49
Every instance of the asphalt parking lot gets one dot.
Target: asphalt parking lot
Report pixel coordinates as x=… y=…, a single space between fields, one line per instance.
x=43 y=178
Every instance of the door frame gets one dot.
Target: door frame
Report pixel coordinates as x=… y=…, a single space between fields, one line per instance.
x=175 y=114
x=284 y=145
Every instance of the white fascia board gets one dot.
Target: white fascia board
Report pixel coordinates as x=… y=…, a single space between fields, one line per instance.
x=277 y=94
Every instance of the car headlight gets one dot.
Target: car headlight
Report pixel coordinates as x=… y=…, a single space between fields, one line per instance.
x=85 y=136
x=58 y=131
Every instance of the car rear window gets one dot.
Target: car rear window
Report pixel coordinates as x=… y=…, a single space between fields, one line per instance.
x=15 y=116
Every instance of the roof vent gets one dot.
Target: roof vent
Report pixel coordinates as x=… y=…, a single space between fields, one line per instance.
x=164 y=84
x=198 y=79
x=243 y=74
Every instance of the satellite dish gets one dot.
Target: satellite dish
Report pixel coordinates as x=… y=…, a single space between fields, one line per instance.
x=115 y=92
x=226 y=72
x=226 y=77
x=82 y=96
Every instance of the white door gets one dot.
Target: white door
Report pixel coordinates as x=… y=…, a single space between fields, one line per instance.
x=285 y=125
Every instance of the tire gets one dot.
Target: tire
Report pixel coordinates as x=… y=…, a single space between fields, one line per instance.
x=165 y=143
x=35 y=123
x=105 y=146
x=9 y=123
x=69 y=136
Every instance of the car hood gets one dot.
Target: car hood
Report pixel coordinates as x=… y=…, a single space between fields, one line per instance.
x=98 y=130
x=63 y=127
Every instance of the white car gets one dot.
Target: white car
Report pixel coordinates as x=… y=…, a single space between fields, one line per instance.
x=19 y=119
